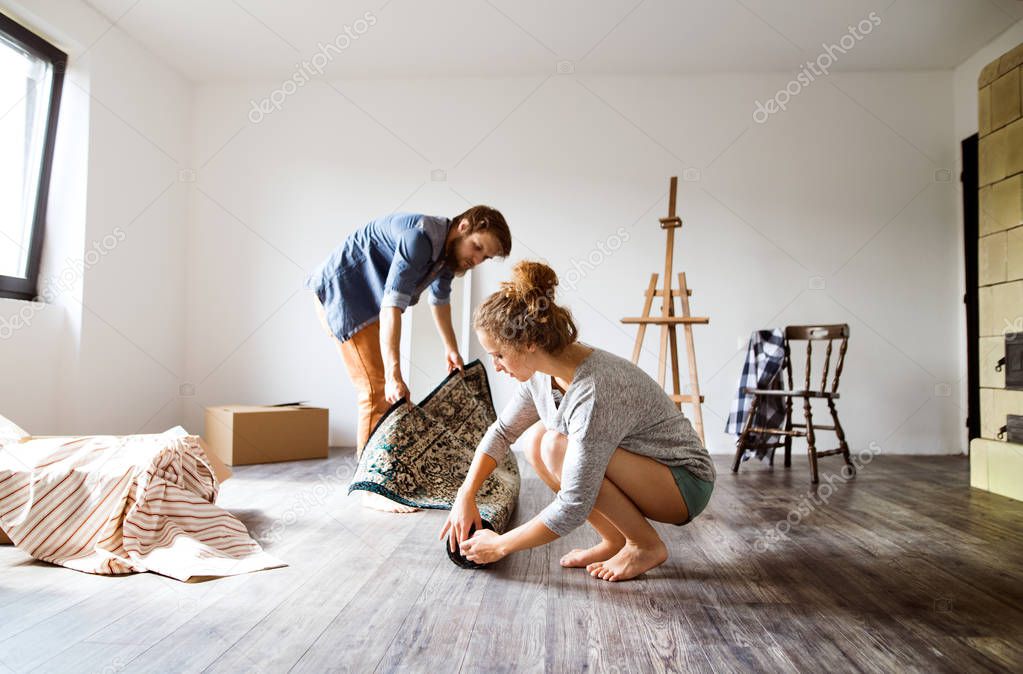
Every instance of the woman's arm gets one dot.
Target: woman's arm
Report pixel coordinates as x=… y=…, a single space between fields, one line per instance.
x=582 y=473
x=518 y=415
x=482 y=466
x=487 y=546
x=532 y=534
x=515 y=419
x=465 y=514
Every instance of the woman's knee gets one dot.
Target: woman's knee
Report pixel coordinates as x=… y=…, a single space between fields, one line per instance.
x=552 y=450
x=532 y=448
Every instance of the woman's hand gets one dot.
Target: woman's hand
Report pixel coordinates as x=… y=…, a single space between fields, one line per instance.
x=484 y=547
x=463 y=516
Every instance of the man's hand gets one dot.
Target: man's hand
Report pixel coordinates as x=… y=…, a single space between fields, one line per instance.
x=390 y=339
x=395 y=389
x=454 y=361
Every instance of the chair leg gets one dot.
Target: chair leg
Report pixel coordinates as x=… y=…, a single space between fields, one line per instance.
x=788 y=427
x=841 y=437
x=740 y=444
x=811 y=447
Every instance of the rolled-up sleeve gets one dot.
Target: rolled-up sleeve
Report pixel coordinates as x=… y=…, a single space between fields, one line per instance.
x=440 y=289
x=410 y=264
x=517 y=416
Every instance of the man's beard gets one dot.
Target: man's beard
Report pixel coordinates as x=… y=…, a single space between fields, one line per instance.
x=451 y=256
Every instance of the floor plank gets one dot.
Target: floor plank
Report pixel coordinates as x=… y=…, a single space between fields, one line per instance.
x=903 y=568
x=514 y=607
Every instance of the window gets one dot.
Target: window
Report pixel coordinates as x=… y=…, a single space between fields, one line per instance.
x=31 y=75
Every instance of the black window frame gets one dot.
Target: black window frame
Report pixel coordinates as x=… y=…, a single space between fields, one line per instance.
x=13 y=287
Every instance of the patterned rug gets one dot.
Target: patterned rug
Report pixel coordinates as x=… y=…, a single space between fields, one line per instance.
x=419 y=455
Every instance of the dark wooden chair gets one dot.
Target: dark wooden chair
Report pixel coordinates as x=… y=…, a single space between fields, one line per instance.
x=808 y=429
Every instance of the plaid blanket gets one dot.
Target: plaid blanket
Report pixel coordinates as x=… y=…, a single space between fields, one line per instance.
x=765 y=356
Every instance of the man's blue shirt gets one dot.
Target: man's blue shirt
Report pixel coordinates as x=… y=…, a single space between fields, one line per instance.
x=386 y=263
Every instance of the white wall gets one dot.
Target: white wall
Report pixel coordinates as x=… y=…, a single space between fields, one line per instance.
x=830 y=211
x=107 y=354
x=837 y=210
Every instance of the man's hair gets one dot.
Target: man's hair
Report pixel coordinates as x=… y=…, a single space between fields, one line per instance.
x=487 y=219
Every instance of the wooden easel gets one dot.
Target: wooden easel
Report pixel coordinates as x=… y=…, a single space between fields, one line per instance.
x=669 y=321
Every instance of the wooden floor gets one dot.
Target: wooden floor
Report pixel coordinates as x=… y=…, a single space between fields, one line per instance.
x=903 y=569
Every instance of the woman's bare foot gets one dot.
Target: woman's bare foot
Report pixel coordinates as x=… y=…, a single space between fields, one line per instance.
x=598 y=553
x=630 y=561
x=378 y=502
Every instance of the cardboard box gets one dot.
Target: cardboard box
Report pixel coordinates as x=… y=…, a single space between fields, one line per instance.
x=220 y=469
x=245 y=434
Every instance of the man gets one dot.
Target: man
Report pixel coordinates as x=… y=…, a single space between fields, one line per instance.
x=381 y=269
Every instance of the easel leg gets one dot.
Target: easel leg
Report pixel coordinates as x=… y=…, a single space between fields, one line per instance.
x=673 y=339
x=641 y=332
x=668 y=302
x=694 y=379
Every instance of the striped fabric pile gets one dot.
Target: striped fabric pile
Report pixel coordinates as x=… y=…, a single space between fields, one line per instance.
x=122 y=504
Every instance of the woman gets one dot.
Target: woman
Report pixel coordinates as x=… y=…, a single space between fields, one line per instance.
x=602 y=435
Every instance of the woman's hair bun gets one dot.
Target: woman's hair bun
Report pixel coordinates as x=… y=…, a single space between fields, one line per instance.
x=523 y=311
x=529 y=279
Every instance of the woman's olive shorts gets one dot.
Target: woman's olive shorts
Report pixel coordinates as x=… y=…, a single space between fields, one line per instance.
x=695 y=492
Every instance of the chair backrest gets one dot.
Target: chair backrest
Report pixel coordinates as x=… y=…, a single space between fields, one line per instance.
x=816 y=333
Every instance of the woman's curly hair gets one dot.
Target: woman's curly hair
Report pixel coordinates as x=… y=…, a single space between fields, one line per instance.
x=523 y=312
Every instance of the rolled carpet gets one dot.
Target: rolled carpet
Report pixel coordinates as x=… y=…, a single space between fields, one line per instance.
x=458 y=558
x=419 y=455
